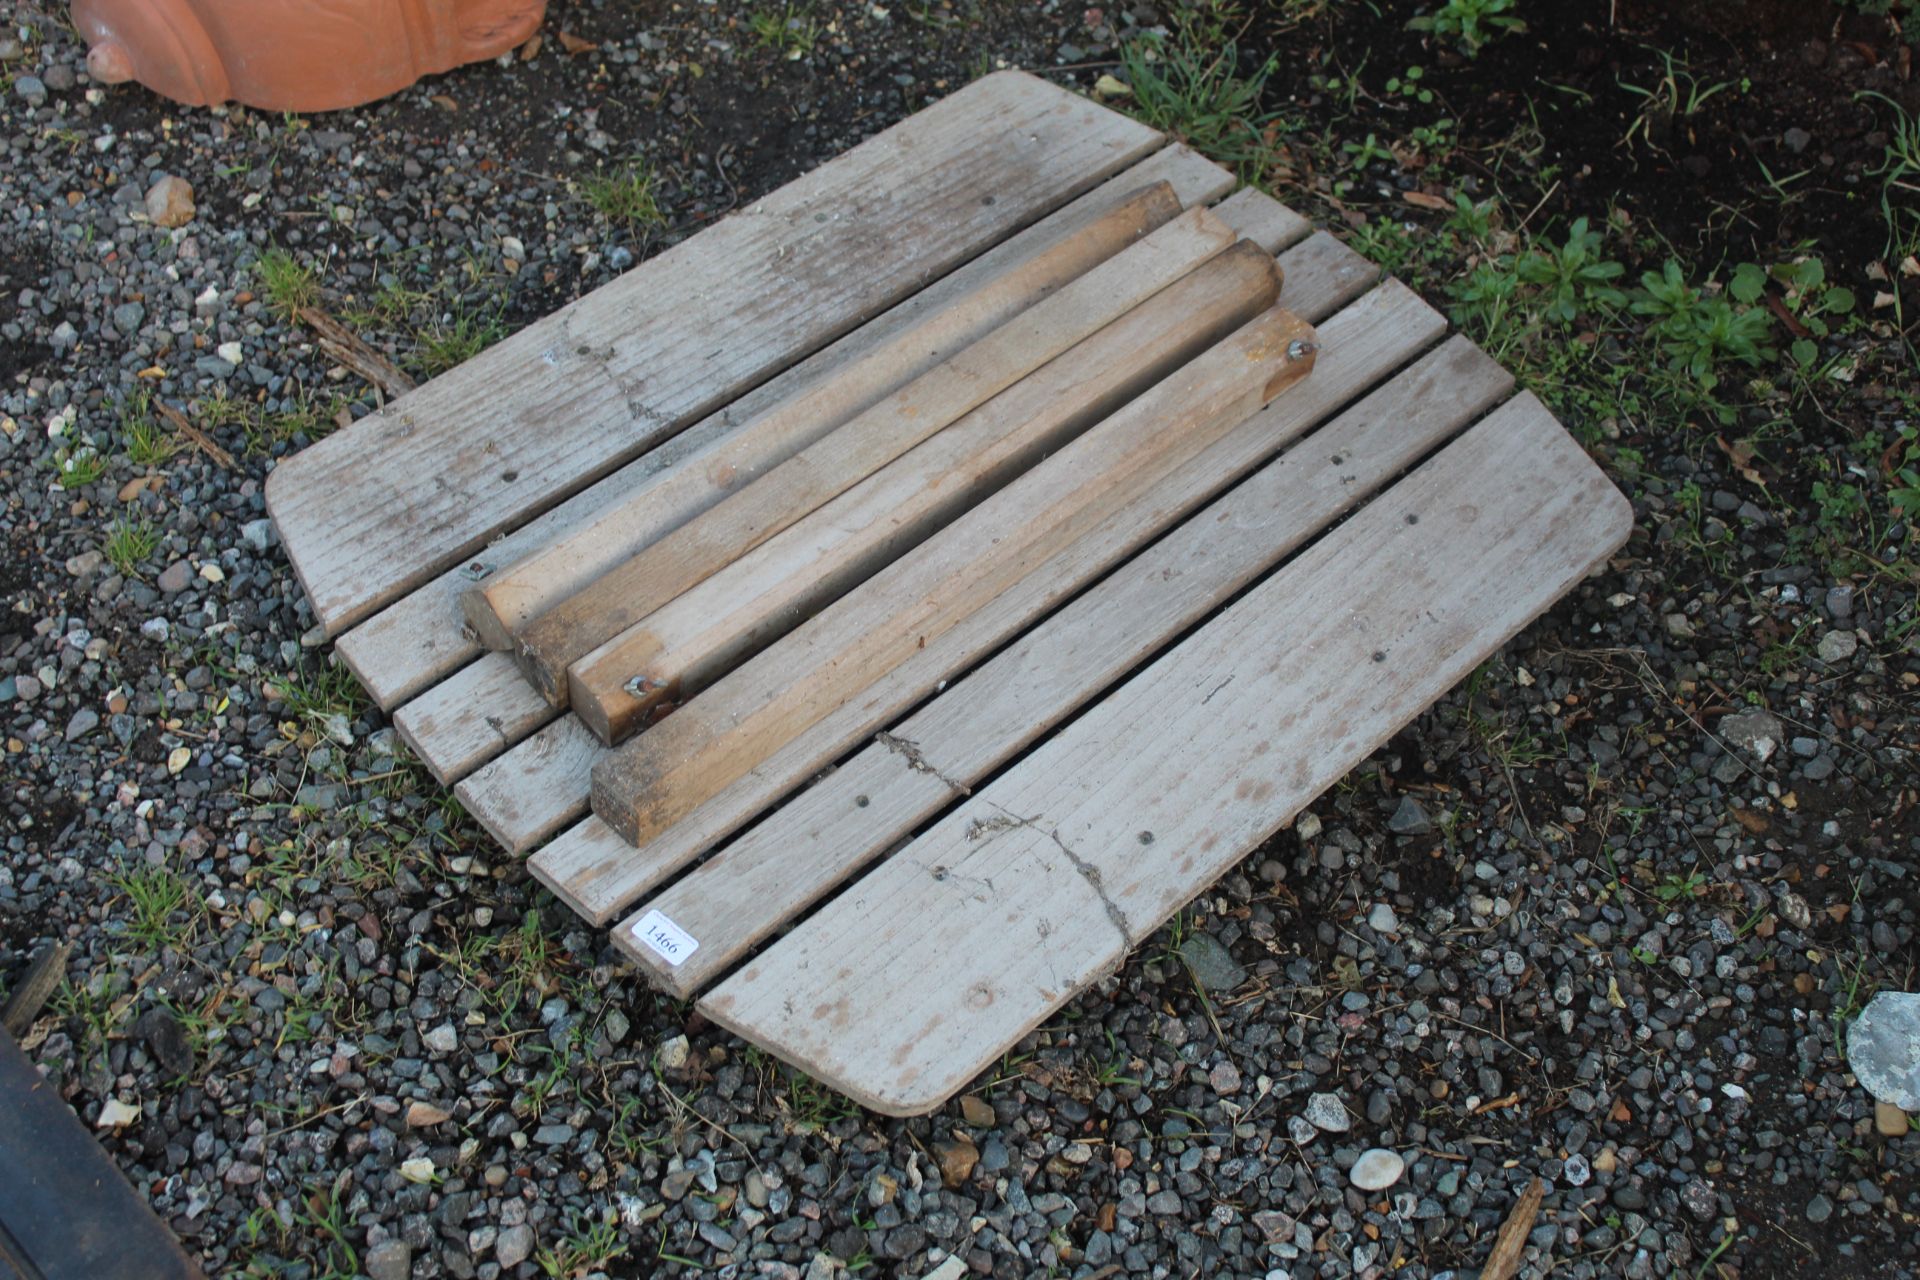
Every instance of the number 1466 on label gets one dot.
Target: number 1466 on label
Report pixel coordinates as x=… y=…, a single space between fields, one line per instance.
x=664 y=938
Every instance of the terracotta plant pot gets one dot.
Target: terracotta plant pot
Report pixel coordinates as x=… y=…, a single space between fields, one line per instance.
x=293 y=55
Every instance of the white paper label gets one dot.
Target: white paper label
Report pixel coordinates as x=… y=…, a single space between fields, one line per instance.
x=665 y=938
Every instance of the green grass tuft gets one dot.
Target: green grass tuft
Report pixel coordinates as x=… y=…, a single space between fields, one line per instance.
x=791 y=30
x=148 y=443
x=624 y=196
x=286 y=283
x=129 y=543
x=1188 y=84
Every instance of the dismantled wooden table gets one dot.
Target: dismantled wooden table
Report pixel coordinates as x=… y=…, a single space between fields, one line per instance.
x=891 y=604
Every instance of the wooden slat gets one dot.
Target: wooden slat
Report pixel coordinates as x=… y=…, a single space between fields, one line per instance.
x=771 y=502
x=532 y=791
x=472 y=716
x=373 y=511
x=645 y=787
x=793 y=859
x=923 y=972
x=598 y=874
x=517 y=595
x=421 y=638
x=691 y=640
x=1262 y=219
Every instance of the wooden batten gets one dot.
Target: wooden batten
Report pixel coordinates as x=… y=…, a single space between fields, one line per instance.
x=644 y=787
x=621 y=597
x=689 y=642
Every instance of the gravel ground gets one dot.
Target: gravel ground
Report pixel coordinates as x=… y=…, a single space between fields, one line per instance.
x=1599 y=919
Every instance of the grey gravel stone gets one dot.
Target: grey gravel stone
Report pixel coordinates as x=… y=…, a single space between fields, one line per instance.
x=513 y=1246
x=1409 y=818
x=1838 y=646
x=1377 y=1169
x=1326 y=1112
x=169 y=202
x=1213 y=968
x=1883 y=1048
x=1756 y=734
x=390 y=1260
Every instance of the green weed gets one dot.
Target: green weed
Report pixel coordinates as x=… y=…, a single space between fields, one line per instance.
x=287 y=283
x=1899 y=174
x=626 y=1138
x=589 y=1246
x=455 y=338
x=624 y=196
x=1816 y=304
x=1408 y=85
x=790 y=31
x=1189 y=86
x=1572 y=279
x=318 y=695
x=148 y=443
x=1700 y=331
x=812 y=1105
x=162 y=908
x=1851 y=990
x=1903 y=493
x=1473 y=23
x=90 y=1007
x=1677 y=94
x=1365 y=153
x=317 y=1003
x=310 y=419
x=78 y=467
x=129 y=542
x=1676 y=888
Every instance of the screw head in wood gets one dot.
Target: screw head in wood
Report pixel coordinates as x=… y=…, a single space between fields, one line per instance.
x=1300 y=349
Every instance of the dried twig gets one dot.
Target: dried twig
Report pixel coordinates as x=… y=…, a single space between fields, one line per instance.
x=194 y=435
x=1504 y=1262
x=43 y=976
x=348 y=348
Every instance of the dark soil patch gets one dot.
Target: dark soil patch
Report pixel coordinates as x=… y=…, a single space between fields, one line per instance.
x=1696 y=180
x=19 y=271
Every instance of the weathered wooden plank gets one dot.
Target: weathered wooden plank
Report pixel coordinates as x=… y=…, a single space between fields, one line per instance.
x=689 y=641
x=420 y=638
x=1262 y=219
x=65 y=1209
x=529 y=793
x=597 y=873
x=644 y=787
x=472 y=716
x=373 y=511
x=902 y=988
x=798 y=855
x=517 y=595
x=546 y=647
